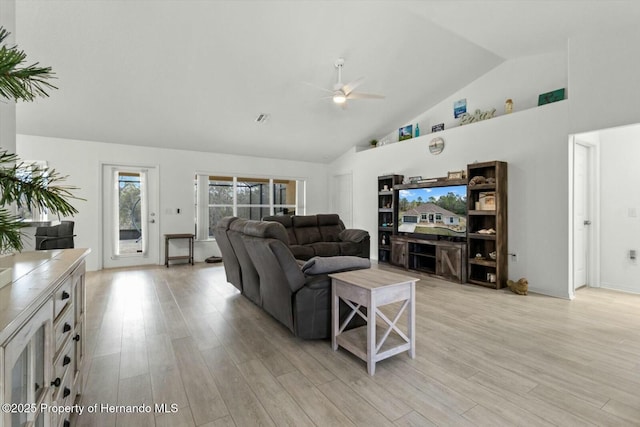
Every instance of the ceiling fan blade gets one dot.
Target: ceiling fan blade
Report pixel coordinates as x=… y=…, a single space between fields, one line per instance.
x=360 y=95
x=351 y=86
x=318 y=87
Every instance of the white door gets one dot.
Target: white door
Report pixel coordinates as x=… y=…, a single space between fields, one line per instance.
x=581 y=216
x=342 y=200
x=130 y=222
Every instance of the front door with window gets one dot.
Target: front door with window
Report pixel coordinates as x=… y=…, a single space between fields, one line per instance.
x=130 y=226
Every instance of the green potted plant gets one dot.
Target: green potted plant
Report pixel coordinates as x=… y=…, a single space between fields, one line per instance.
x=41 y=188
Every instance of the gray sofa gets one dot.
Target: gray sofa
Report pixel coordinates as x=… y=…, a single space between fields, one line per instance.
x=273 y=279
x=322 y=235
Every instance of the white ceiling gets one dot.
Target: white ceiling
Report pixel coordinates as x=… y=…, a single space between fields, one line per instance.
x=195 y=74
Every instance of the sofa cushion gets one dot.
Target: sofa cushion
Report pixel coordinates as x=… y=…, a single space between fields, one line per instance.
x=334 y=264
x=302 y=252
x=286 y=221
x=266 y=230
x=325 y=248
x=306 y=229
x=330 y=227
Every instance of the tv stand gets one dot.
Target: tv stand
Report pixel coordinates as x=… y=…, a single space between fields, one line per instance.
x=441 y=258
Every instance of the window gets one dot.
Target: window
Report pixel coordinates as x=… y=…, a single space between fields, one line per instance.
x=438 y=217
x=423 y=216
x=244 y=197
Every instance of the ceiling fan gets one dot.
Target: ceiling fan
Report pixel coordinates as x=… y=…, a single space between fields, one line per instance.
x=341 y=92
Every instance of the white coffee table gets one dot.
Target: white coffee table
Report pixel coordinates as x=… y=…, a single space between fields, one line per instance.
x=373 y=288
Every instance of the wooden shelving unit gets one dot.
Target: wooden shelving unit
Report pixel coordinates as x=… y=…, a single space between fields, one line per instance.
x=387 y=214
x=487 y=225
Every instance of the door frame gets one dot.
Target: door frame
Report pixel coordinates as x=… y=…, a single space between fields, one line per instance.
x=101 y=206
x=591 y=142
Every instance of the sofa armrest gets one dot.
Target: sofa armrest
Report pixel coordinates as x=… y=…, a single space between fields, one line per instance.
x=353 y=235
x=334 y=264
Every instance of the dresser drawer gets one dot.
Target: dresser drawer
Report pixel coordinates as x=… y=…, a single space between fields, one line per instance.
x=64 y=392
x=66 y=361
x=63 y=327
x=62 y=297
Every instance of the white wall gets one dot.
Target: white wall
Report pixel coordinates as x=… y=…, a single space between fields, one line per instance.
x=81 y=160
x=620 y=231
x=603 y=76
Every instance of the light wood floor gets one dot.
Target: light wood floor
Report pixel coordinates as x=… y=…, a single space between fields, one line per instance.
x=184 y=336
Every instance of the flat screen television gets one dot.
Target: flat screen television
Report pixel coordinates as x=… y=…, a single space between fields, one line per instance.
x=433 y=212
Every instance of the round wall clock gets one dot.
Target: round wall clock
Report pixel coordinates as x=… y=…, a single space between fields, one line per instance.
x=436 y=145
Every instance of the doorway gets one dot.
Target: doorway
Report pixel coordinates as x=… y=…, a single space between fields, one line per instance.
x=584 y=218
x=130 y=224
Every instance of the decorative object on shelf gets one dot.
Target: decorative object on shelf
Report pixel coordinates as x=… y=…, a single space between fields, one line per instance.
x=479 y=256
x=417 y=131
x=384 y=141
x=384 y=239
x=405 y=133
x=459 y=107
x=455 y=175
x=493 y=255
x=487 y=231
x=549 y=97
x=385 y=188
x=476 y=180
x=521 y=287
x=491 y=180
x=487 y=201
x=436 y=145
x=508 y=106
x=491 y=277
x=413 y=179
x=373 y=143
x=437 y=128
x=478 y=116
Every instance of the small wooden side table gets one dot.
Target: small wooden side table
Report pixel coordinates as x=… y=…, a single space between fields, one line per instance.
x=373 y=288
x=168 y=258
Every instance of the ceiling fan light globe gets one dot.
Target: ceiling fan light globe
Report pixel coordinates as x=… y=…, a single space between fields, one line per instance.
x=339 y=98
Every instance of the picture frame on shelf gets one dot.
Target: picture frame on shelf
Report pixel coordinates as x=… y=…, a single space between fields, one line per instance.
x=459 y=107
x=405 y=132
x=437 y=128
x=487 y=200
x=549 y=97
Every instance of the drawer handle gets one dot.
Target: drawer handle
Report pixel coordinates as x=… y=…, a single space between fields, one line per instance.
x=65 y=295
x=66 y=360
x=56 y=382
x=66 y=392
x=77 y=337
x=66 y=327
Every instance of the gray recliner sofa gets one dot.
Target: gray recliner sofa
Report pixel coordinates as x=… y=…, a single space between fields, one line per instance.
x=300 y=301
x=322 y=235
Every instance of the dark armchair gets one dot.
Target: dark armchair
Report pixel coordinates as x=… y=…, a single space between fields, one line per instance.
x=55 y=237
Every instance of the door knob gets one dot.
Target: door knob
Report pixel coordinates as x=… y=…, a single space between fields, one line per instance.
x=152 y=221
x=587 y=222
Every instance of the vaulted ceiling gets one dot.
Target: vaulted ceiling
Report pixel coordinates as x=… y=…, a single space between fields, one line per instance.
x=194 y=75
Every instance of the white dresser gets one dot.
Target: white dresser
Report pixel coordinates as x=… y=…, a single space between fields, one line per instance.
x=42 y=324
